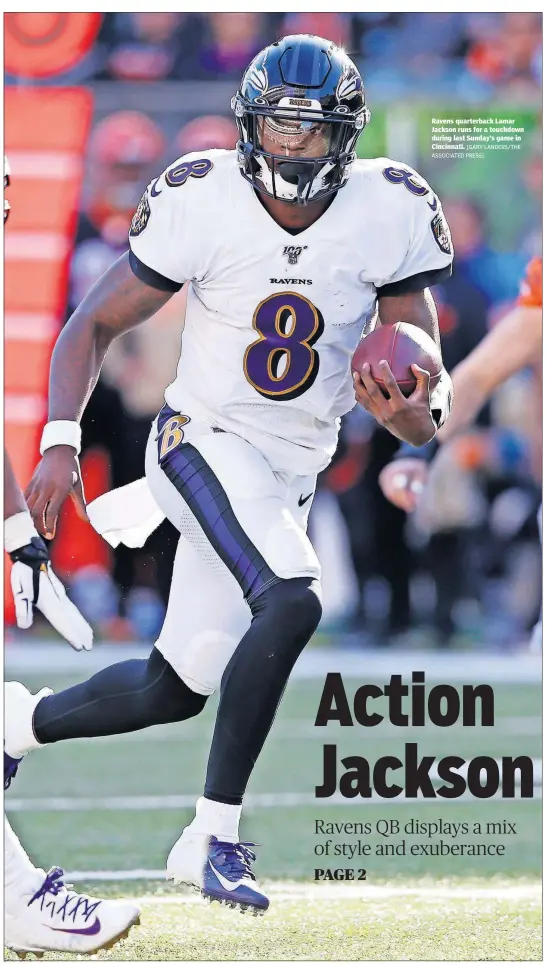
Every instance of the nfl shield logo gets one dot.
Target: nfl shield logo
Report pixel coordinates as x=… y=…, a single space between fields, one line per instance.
x=293 y=252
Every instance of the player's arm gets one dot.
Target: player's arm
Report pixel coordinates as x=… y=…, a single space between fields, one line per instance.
x=514 y=343
x=404 y=296
x=33 y=581
x=118 y=302
x=413 y=419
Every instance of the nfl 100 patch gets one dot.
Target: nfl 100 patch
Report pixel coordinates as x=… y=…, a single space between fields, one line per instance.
x=141 y=216
x=441 y=233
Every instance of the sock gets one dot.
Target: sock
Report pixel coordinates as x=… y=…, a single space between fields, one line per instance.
x=20 y=875
x=216 y=818
x=19 y=707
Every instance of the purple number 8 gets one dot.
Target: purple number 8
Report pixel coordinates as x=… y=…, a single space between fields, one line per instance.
x=281 y=363
x=405 y=177
x=188 y=169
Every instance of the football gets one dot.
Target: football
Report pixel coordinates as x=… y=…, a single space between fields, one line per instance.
x=401 y=345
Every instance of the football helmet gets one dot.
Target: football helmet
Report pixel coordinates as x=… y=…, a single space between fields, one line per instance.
x=299 y=110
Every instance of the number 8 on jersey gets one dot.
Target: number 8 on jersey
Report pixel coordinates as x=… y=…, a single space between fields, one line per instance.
x=282 y=363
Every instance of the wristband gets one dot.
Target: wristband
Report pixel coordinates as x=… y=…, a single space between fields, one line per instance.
x=18 y=531
x=61 y=432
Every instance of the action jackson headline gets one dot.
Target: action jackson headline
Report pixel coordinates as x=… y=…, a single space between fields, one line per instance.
x=416 y=776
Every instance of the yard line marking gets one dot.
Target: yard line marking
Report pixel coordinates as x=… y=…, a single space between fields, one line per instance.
x=286 y=891
x=314 y=663
x=142 y=803
x=297 y=728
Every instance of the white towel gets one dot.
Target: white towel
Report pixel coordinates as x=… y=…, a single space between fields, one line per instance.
x=126 y=515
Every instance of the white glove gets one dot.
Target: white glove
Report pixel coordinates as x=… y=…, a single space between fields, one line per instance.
x=441 y=399
x=34 y=584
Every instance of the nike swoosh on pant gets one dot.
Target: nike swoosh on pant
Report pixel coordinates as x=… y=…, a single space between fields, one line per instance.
x=91 y=930
x=303 y=499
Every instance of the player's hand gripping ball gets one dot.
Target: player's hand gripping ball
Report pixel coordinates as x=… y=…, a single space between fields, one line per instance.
x=394 y=369
x=400 y=345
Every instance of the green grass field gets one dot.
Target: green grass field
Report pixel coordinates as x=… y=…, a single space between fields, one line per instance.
x=117 y=805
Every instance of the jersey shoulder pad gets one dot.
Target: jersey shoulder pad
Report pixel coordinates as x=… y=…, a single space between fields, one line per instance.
x=200 y=171
x=385 y=174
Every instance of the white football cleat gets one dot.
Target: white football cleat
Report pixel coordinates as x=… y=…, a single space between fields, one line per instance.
x=221 y=871
x=55 y=919
x=19 y=707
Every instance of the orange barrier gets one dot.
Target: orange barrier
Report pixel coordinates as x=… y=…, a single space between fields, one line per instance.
x=42 y=44
x=46 y=132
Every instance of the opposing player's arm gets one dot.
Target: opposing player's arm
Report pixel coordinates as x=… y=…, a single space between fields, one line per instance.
x=514 y=343
x=118 y=302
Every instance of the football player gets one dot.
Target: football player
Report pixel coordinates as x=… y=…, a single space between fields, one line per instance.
x=514 y=343
x=293 y=249
x=41 y=913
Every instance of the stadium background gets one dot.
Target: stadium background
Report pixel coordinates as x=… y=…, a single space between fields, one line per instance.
x=95 y=105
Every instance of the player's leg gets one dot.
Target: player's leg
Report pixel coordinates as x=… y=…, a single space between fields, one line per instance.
x=124 y=697
x=219 y=487
x=42 y=915
x=202 y=627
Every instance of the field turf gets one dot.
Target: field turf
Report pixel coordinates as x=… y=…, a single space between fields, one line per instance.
x=116 y=805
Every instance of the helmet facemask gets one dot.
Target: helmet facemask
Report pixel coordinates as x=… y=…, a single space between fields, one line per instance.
x=295 y=151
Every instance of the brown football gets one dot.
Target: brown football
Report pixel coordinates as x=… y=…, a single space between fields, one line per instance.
x=402 y=345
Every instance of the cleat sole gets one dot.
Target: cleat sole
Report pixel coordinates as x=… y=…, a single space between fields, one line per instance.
x=228 y=903
x=231 y=903
x=118 y=938
x=23 y=953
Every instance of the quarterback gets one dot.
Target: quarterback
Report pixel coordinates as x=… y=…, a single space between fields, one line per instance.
x=292 y=249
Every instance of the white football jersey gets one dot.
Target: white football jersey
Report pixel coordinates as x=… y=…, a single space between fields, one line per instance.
x=272 y=318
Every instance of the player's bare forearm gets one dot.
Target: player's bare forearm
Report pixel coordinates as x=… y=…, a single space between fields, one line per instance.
x=514 y=343
x=14 y=501
x=416 y=307
x=118 y=302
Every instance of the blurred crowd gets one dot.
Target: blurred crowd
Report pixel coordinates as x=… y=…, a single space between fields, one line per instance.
x=474 y=56
x=467 y=573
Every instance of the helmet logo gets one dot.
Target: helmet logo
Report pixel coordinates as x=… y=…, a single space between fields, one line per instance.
x=257 y=76
x=293 y=252
x=348 y=84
